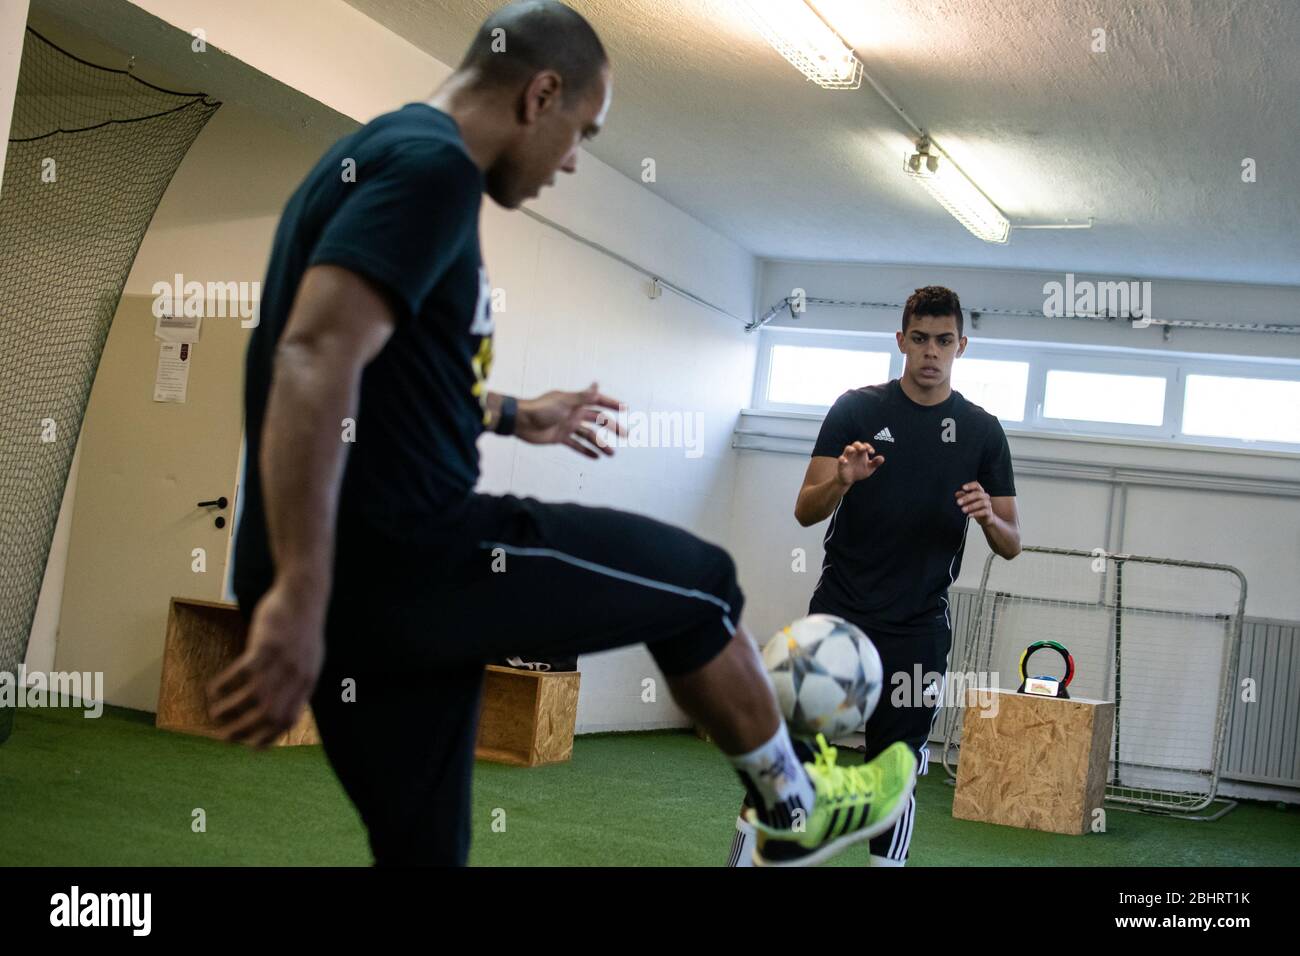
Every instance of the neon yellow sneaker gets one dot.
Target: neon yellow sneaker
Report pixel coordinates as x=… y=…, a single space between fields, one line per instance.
x=853 y=804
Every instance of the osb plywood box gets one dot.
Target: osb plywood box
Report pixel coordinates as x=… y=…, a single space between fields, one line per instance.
x=527 y=718
x=203 y=639
x=1034 y=762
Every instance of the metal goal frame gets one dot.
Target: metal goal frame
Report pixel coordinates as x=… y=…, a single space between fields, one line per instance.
x=979 y=648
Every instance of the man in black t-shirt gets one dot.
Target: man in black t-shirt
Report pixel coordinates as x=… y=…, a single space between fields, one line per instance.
x=375 y=581
x=899 y=469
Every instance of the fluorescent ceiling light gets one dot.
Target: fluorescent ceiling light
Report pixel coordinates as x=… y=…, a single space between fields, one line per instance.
x=931 y=167
x=800 y=35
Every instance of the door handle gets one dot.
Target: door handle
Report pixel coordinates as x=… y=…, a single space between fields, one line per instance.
x=220 y=504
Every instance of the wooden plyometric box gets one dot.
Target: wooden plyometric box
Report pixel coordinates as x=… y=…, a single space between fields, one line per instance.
x=1039 y=763
x=527 y=717
x=203 y=639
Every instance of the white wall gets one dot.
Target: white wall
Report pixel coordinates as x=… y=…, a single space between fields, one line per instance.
x=13 y=25
x=1258 y=534
x=1005 y=289
x=574 y=316
x=42 y=641
x=384 y=71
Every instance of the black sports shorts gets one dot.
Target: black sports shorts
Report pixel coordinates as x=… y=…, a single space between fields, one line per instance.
x=412 y=622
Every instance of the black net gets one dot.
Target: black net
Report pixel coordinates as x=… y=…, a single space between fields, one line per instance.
x=91 y=152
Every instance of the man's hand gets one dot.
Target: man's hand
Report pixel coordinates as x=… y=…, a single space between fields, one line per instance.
x=975 y=502
x=858 y=461
x=998 y=517
x=565 y=418
x=828 y=479
x=262 y=694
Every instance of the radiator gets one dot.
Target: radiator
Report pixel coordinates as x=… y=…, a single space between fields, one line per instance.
x=1262 y=744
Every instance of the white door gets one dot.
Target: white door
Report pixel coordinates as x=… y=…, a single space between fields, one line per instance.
x=139 y=536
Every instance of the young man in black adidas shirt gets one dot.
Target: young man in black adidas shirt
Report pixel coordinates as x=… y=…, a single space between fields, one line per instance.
x=899 y=469
x=374 y=579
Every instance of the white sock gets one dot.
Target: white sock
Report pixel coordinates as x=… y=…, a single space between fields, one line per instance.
x=742 y=844
x=776 y=781
x=885 y=861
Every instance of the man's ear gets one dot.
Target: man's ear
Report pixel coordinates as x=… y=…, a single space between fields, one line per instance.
x=541 y=95
x=961 y=346
x=898 y=337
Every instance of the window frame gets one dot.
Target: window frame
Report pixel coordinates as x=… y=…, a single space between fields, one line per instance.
x=816 y=338
x=1232 y=368
x=1174 y=367
x=993 y=350
x=1060 y=361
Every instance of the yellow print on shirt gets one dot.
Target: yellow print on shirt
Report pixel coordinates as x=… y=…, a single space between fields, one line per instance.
x=482 y=363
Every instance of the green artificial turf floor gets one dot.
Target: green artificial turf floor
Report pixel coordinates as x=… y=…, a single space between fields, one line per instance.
x=117 y=791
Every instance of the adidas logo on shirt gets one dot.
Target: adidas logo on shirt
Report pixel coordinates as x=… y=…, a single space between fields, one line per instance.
x=883 y=435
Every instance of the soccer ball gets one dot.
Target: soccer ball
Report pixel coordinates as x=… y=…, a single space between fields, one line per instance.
x=826 y=673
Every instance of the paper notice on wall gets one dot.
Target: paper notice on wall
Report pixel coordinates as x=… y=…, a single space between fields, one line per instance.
x=178 y=328
x=173 y=377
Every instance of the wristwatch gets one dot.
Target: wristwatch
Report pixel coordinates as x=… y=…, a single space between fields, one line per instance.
x=505 y=423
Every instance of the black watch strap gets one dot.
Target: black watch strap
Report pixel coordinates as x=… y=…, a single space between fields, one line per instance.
x=505 y=424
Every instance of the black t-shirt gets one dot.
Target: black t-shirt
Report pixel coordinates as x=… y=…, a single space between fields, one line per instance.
x=895 y=542
x=409 y=223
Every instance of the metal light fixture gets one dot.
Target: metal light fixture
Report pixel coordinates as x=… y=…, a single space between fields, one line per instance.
x=800 y=35
x=952 y=189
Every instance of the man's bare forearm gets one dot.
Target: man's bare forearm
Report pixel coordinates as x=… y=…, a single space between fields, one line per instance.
x=1003 y=537
x=303 y=454
x=817 y=502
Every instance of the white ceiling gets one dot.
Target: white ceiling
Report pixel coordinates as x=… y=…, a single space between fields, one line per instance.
x=1148 y=137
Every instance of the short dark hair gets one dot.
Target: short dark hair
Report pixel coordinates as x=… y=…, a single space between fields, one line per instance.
x=933 y=300
x=523 y=38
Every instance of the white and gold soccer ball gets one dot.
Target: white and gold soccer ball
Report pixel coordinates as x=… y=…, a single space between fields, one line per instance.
x=826 y=673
